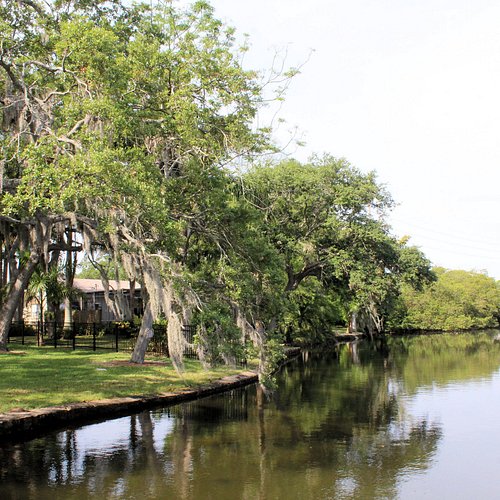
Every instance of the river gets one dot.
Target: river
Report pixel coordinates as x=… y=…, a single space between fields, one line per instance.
x=411 y=418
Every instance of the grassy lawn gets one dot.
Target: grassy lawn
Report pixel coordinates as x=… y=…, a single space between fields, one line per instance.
x=33 y=377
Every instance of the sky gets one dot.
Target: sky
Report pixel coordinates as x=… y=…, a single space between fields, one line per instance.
x=408 y=88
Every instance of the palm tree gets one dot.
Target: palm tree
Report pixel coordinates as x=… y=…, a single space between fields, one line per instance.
x=48 y=290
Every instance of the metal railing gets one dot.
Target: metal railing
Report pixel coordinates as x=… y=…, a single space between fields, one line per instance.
x=115 y=336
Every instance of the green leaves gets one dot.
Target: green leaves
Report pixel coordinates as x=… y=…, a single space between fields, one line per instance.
x=326 y=219
x=316 y=211
x=457 y=300
x=119 y=121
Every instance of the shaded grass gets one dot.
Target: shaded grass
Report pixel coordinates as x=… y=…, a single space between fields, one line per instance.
x=41 y=377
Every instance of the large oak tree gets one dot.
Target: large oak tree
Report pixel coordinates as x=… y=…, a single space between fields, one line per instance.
x=115 y=121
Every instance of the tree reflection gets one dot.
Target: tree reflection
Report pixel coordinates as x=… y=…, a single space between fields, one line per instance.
x=336 y=427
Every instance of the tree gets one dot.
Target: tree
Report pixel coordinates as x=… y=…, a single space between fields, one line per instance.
x=49 y=290
x=383 y=266
x=235 y=270
x=458 y=300
x=326 y=220
x=117 y=123
x=313 y=212
x=313 y=309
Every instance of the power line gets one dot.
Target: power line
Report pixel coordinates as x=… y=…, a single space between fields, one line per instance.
x=483 y=245
x=492 y=248
x=463 y=254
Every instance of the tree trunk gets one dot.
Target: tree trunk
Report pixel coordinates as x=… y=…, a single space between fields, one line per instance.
x=263 y=362
x=145 y=335
x=69 y=275
x=20 y=309
x=376 y=320
x=2 y=262
x=68 y=316
x=353 y=323
x=12 y=301
x=42 y=302
x=131 y=298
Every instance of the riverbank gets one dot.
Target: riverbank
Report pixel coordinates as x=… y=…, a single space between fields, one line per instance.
x=22 y=425
x=42 y=388
x=32 y=376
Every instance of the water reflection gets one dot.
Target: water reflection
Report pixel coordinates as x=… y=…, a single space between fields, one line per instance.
x=338 y=426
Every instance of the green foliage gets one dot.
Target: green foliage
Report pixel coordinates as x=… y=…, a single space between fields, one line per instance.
x=112 y=269
x=134 y=111
x=274 y=354
x=129 y=94
x=326 y=220
x=458 y=300
x=312 y=313
x=309 y=210
x=48 y=290
x=221 y=338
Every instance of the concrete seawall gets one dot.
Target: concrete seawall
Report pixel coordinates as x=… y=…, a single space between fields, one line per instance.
x=18 y=426
x=22 y=425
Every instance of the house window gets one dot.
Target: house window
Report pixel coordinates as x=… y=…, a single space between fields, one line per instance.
x=35 y=311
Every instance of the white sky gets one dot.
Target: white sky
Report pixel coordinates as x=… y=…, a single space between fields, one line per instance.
x=408 y=88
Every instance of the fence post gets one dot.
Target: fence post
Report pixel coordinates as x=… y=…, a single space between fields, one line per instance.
x=116 y=336
x=54 y=333
x=73 y=335
x=94 y=346
x=22 y=332
x=38 y=333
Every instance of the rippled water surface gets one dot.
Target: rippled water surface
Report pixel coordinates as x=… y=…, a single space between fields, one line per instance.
x=412 y=418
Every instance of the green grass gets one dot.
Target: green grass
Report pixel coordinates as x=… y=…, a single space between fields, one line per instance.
x=46 y=376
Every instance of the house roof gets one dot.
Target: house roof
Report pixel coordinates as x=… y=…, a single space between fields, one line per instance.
x=93 y=285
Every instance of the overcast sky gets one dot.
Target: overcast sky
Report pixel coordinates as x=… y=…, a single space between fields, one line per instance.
x=408 y=88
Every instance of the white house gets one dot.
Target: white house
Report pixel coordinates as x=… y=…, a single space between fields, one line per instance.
x=90 y=306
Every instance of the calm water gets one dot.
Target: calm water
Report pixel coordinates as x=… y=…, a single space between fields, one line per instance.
x=416 y=418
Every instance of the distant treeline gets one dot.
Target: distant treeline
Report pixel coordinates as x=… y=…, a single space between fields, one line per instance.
x=457 y=300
